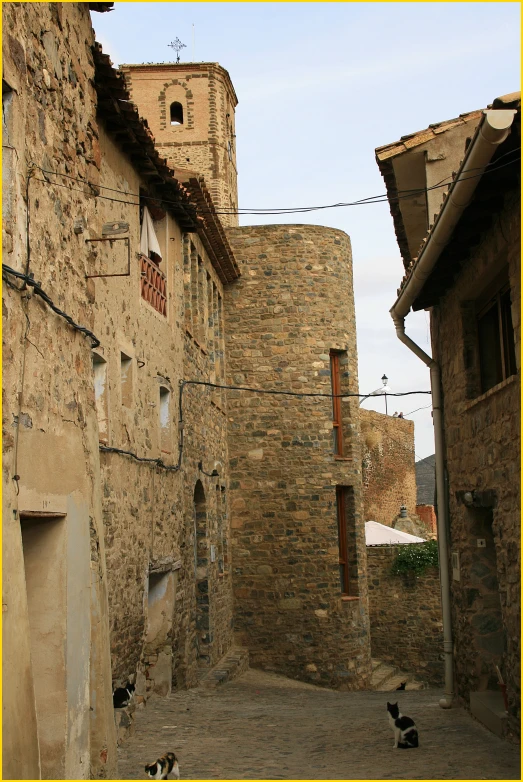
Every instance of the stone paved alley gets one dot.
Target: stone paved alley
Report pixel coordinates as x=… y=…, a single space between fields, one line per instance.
x=263 y=726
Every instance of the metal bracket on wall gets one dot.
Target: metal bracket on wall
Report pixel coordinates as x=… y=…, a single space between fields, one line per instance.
x=114 y=239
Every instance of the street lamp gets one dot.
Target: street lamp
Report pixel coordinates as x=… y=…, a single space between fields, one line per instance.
x=383 y=390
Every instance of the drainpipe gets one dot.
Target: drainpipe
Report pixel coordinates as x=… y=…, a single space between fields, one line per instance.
x=492 y=131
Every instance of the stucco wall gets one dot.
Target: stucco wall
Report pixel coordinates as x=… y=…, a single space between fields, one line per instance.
x=389 y=476
x=49 y=420
x=483 y=453
x=292 y=305
x=406 y=627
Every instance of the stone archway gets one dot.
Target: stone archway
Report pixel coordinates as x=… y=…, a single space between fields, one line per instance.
x=203 y=634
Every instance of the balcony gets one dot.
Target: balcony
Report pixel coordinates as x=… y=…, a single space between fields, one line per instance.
x=154 y=285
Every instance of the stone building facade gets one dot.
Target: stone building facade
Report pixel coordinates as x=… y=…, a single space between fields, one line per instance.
x=389 y=471
x=473 y=293
x=57 y=702
x=288 y=329
x=170 y=595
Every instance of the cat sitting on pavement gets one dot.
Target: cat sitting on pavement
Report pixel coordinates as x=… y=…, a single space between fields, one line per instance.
x=405 y=731
x=164 y=766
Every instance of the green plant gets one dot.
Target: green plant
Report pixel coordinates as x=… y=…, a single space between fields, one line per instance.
x=415 y=558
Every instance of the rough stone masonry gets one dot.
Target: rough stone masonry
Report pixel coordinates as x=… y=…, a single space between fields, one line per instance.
x=292 y=306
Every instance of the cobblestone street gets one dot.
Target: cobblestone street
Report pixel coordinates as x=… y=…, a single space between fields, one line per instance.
x=263 y=726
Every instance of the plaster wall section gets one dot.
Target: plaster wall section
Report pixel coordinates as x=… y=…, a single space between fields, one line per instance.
x=389 y=476
x=148 y=511
x=56 y=721
x=292 y=306
x=206 y=139
x=483 y=453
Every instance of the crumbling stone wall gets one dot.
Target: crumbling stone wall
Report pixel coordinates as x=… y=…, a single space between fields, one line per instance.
x=406 y=627
x=51 y=466
x=483 y=453
x=389 y=475
x=292 y=305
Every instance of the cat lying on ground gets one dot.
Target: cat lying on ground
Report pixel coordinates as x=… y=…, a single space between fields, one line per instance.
x=164 y=766
x=122 y=696
x=405 y=731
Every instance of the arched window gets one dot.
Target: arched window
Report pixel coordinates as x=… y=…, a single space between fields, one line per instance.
x=176 y=113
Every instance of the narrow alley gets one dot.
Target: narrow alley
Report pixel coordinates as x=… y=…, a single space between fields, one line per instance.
x=264 y=726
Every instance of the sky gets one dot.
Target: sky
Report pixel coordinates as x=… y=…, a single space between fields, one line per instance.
x=320 y=86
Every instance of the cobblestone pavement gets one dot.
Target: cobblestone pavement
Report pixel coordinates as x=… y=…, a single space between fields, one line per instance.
x=263 y=726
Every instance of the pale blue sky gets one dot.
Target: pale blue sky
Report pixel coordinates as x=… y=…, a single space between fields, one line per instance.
x=320 y=85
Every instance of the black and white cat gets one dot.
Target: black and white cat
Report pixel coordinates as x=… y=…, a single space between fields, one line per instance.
x=405 y=731
x=163 y=767
x=122 y=696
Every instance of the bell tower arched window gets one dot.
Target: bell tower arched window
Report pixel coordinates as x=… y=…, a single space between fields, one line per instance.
x=176 y=112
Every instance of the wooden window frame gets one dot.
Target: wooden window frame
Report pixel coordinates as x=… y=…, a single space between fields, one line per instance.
x=337 y=423
x=343 y=558
x=506 y=336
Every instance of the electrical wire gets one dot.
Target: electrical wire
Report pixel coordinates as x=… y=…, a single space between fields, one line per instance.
x=28 y=280
x=294 y=393
x=184 y=383
x=418 y=408
x=382 y=198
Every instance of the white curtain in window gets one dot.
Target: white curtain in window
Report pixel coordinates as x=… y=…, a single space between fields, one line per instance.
x=148 y=241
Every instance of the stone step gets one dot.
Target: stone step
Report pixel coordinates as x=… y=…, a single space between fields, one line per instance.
x=387 y=678
x=381 y=674
x=233 y=664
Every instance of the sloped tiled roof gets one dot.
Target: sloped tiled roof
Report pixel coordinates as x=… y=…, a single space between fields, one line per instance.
x=487 y=198
x=385 y=156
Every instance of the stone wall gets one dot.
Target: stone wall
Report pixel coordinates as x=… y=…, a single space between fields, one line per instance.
x=58 y=723
x=406 y=627
x=206 y=141
x=482 y=435
x=389 y=476
x=291 y=307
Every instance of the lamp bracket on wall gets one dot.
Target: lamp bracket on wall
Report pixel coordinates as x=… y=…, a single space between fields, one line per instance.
x=213 y=474
x=112 y=239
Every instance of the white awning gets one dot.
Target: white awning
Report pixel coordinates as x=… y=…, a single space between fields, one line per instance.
x=377 y=534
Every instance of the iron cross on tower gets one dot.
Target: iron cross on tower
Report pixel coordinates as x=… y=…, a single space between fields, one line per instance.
x=177 y=45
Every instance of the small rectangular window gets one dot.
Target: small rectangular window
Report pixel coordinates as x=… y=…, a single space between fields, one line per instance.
x=101 y=396
x=126 y=379
x=497 y=357
x=165 y=420
x=337 y=425
x=348 y=553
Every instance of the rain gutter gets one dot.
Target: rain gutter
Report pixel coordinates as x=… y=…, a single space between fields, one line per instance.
x=492 y=131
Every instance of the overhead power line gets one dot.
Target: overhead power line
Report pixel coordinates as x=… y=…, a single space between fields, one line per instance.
x=378 y=199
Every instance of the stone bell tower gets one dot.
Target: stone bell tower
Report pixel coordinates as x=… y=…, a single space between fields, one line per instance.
x=189 y=108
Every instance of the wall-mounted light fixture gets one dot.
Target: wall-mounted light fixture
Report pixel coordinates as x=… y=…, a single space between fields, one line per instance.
x=213 y=474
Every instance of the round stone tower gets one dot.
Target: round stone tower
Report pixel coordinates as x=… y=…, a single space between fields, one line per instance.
x=189 y=108
x=298 y=533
